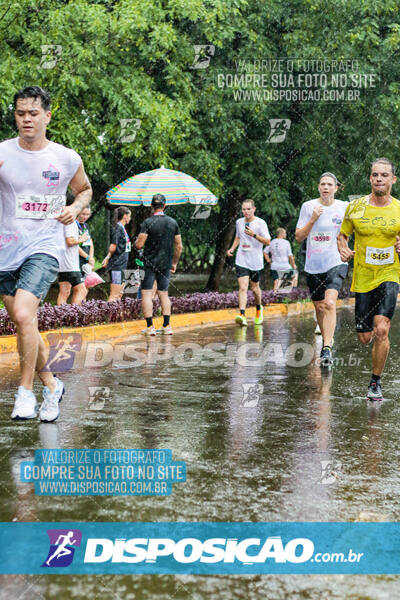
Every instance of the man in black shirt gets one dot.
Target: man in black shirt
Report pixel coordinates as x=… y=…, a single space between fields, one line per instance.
x=161 y=239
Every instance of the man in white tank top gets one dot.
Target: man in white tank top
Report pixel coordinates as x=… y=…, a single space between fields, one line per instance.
x=34 y=176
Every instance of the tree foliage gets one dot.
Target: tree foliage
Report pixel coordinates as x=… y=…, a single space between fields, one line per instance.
x=134 y=60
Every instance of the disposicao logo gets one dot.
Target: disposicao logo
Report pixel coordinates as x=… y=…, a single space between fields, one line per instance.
x=62 y=547
x=191 y=550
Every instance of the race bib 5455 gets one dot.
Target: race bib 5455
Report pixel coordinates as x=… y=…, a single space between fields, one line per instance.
x=379 y=256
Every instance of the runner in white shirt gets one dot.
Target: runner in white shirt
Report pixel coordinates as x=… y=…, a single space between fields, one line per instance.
x=280 y=256
x=70 y=275
x=251 y=235
x=320 y=221
x=34 y=176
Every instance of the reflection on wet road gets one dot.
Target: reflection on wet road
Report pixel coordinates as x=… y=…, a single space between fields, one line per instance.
x=265 y=434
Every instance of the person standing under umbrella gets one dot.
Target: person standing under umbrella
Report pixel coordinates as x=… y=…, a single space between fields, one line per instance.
x=116 y=260
x=160 y=237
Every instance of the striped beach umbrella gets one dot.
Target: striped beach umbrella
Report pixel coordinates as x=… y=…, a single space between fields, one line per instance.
x=177 y=187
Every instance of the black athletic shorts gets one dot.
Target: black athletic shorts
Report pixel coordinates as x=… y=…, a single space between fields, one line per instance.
x=243 y=272
x=333 y=279
x=380 y=301
x=73 y=277
x=152 y=275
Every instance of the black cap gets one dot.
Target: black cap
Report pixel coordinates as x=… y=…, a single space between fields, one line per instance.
x=158 y=200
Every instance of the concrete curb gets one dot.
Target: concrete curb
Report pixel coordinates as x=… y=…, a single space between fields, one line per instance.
x=120 y=331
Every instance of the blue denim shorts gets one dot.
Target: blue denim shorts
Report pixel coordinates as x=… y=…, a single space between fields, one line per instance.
x=36 y=274
x=118 y=276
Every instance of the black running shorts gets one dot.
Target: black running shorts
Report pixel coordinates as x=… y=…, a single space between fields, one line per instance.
x=333 y=279
x=160 y=275
x=243 y=272
x=72 y=277
x=380 y=301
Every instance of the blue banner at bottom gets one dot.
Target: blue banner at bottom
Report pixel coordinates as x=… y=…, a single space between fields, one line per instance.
x=199 y=548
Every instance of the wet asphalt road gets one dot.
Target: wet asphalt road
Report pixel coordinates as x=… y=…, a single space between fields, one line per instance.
x=265 y=434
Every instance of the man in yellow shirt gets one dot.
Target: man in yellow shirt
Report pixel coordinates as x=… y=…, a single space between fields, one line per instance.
x=375 y=222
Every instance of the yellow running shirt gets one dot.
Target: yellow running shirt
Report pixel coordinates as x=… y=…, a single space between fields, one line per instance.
x=375 y=229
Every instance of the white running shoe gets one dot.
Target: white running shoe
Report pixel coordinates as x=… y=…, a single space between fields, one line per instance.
x=317 y=330
x=49 y=410
x=149 y=331
x=25 y=406
x=165 y=330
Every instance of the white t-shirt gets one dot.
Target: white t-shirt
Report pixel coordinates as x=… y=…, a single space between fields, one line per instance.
x=69 y=259
x=280 y=250
x=24 y=173
x=322 y=253
x=250 y=251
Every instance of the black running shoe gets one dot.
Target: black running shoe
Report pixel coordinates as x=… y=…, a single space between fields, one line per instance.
x=325 y=359
x=374 y=391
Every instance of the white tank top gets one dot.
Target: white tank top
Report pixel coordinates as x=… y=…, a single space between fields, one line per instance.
x=26 y=176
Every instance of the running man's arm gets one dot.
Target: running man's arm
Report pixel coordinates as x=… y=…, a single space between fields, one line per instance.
x=141 y=240
x=264 y=240
x=292 y=261
x=235 y=244
x=71 y=241
x=82 y=190
x=177 y=252
x=267 y=257
x=345 y=253
x=302 y=232
x=346 y=230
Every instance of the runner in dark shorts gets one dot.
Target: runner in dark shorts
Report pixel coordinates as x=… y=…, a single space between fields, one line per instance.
x=280 y=257
x=319 y=222
x=375 y=222
x=250 y=237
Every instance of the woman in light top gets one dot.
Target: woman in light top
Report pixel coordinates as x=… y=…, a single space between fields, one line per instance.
x=319 y=222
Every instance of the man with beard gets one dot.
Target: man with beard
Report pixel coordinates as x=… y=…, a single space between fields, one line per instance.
x=375 y=222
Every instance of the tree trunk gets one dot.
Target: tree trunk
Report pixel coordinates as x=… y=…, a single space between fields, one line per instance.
x=226 y=231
